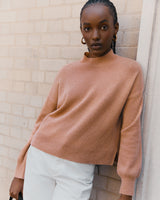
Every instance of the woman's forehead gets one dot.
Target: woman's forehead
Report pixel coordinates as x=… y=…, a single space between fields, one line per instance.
x=96 y=12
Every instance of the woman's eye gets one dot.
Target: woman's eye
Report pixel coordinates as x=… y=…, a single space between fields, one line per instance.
x=104 y=27
x=86 y=29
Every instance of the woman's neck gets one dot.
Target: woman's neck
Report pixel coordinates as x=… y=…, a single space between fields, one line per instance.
x=94 y=56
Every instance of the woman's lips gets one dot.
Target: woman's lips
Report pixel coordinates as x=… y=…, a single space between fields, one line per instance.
x=96 y=46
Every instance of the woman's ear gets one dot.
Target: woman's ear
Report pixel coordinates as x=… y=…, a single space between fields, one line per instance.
x=116 y=26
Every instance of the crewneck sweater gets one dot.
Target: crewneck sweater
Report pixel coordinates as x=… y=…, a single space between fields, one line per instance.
x=93 y=112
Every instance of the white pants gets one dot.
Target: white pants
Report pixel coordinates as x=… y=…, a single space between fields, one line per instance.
x=48 y=177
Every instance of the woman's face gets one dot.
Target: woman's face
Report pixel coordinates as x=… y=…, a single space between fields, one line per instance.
x=98 y=29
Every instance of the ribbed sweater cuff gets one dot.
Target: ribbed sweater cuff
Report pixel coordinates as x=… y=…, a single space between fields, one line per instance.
x=127 y=186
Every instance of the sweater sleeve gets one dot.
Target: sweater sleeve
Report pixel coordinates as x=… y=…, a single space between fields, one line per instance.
x=130 y=150
x=49 y=105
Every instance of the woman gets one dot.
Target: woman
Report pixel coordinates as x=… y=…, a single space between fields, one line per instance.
x=91 y=114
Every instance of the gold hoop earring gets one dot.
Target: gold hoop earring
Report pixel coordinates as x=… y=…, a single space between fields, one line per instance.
x=83 y=41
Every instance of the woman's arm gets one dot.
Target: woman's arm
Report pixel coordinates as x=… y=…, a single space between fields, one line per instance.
x=130 y=151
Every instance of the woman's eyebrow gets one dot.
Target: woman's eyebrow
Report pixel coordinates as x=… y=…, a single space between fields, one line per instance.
x=85 y=23
x=104 y=20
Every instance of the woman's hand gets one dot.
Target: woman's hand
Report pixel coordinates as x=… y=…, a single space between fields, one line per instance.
x=125 y=197
x=16 y=187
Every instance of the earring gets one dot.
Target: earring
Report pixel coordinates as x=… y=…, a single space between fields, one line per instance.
x=83 y=41
x=114 y=38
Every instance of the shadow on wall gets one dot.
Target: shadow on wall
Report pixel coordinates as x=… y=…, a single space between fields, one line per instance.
x=106 y=183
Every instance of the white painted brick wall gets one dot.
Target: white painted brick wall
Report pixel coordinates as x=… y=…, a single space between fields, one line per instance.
x=5 y=4
x=49 y=77
x=133 y=6
x=6 y=62
x=55 y=39
x=30 y=88
x=76 y=10
x=17 y=109
x=8 y=16
x=41 y=26
x=36 y=101
x=4 y=51
x=23 y=4
x=18 y=86
x=71 y=24
x=43 y=89
x=21 y=40
x=21 y=52
x=5 y=29
x=34 y=40
x=22 y=15
x=55 y=26
x=5 y=130
x=5 y=107
x=2 y=120
x=21 y=75
x=37 y=38
x=16 y=132
x=51 y=65
x=22 y=27
x=57 y=12
x=53 y=52
x=7 y=40
x=37 y=76
x=29 y=112
x=42 y=3
x=55 y=2
x=35 y=14
x=2 y=96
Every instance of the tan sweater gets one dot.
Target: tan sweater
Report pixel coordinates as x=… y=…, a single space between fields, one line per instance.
x=92 y=112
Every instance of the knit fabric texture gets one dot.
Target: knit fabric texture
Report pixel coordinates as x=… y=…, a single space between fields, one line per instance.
x=93 y=111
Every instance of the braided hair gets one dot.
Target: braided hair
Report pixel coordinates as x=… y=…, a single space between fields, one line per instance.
x=113 y=12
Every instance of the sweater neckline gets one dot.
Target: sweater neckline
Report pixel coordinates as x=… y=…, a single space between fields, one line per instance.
x=107 y=57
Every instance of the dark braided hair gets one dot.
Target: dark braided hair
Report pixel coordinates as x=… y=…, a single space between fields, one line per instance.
x=113 y=12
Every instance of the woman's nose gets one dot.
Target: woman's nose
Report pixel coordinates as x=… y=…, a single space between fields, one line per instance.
x=95 y=35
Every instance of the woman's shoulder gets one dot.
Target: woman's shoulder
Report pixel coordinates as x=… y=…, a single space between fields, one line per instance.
x=129 y=63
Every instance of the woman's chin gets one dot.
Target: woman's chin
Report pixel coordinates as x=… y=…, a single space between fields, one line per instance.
x=96 y=53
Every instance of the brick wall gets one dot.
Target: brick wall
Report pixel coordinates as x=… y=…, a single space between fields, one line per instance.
x=37 y=38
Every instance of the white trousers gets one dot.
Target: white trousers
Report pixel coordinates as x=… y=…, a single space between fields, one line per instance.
x=48 y=177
